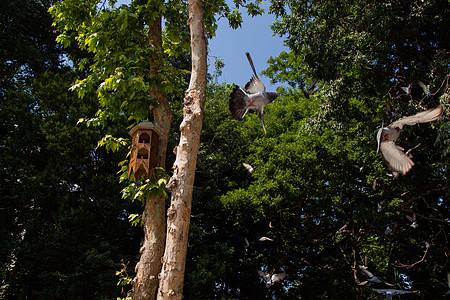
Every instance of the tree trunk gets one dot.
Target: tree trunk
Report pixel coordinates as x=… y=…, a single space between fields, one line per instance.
x=182 y=181
x=145 y=283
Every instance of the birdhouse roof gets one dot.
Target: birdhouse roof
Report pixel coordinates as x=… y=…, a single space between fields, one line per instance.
x=145 y=125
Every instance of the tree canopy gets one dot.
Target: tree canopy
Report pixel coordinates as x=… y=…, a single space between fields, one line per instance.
x=319 y=189
x=321 y=204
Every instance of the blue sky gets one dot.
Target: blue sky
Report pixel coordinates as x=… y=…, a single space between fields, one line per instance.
x=256 y=37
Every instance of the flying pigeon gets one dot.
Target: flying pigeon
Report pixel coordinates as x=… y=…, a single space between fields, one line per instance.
x=390 y=228
x=311 y=88
x=407 y=89
x=249 y=168
x=396 y=159
x=265 y=239
x=425 y=89
x=253 y=98
x=371 y=279
x=413 y=221
x=271 y=279
x=390 y=292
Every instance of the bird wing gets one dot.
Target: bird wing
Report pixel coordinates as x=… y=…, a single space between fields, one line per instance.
x=421 y=117
x=423 y=86
x=381 y=291
x=239 y=103
x=375 y=279
x=279 y=277
x=402 y=292
x=380 y=131
x=251 y=63
x=254 y=85
x=407 y=89
x=264 y=275
x=365 y=271
x=397 y=160
x=391 y=291
x=249 y=168
x=312 y=86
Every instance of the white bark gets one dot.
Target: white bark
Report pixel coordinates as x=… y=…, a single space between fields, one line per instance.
x=182 y=181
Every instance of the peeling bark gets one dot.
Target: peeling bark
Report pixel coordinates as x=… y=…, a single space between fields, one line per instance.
x=146 y=282
x=182 y=181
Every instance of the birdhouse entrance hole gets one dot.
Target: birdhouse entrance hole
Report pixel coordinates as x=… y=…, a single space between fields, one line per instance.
x=144 y=138
x=143 y=154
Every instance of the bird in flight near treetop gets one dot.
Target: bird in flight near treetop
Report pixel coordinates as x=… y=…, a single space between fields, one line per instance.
x=396 y=159
x=271 y=278
x=253 y=98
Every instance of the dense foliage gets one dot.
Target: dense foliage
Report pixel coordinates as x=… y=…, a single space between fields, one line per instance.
x=64 y=227
x=319 y=191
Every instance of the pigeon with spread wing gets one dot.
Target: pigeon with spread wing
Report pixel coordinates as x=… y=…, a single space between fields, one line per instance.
x=371 y=279
x=392 y=292
x=253 y=98
x=426 y=89
x=396 y=159
x=272 y=278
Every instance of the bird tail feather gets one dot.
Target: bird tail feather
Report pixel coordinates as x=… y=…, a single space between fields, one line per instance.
x=251 y=64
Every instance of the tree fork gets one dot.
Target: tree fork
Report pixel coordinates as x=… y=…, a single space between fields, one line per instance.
x=182 y=181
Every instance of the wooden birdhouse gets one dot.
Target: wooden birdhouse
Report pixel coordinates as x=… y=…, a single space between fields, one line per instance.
x=144 y=149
